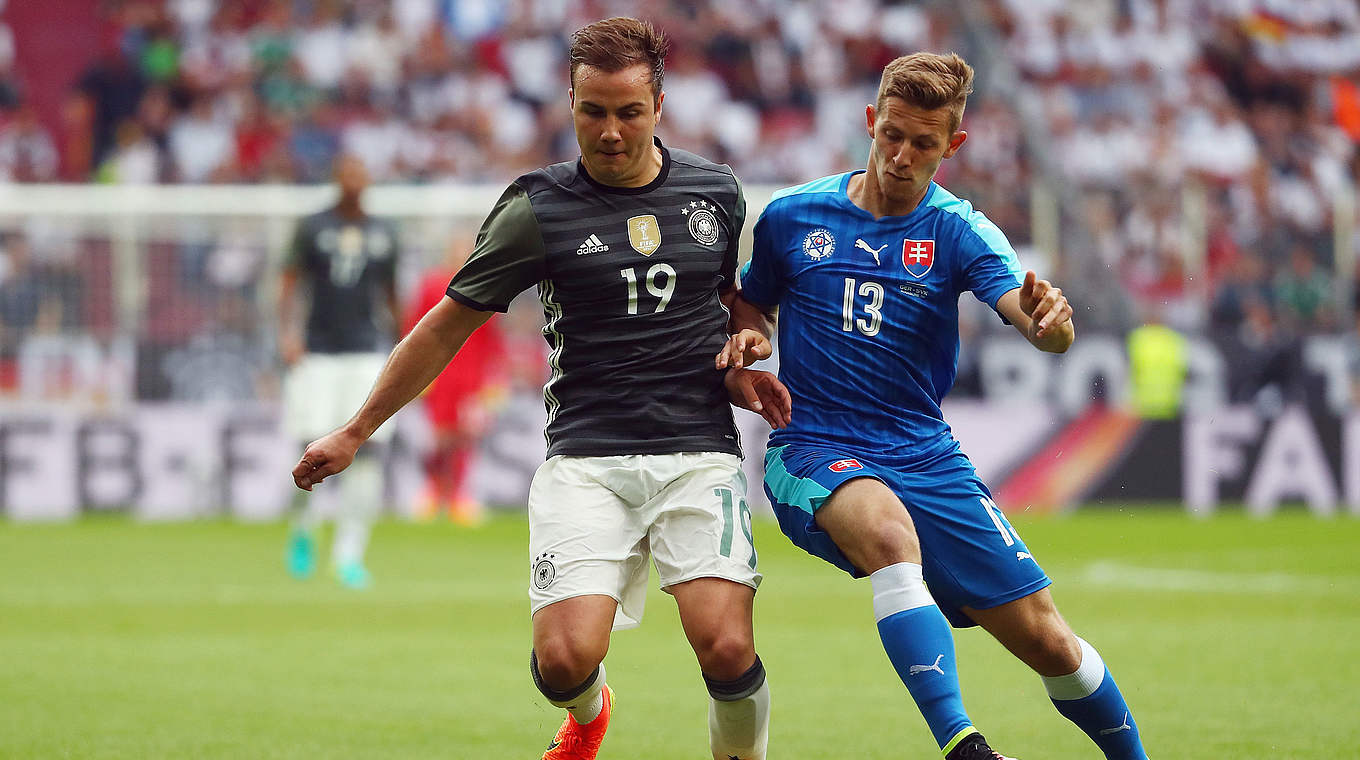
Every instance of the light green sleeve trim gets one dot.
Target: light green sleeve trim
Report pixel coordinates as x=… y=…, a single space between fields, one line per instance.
x=509 y=256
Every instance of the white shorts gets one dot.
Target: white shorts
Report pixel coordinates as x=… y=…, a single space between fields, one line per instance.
x=322 y=391
x=594 y=521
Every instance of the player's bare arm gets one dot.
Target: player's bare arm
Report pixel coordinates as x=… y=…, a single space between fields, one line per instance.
x=1041 y=313
x=290 y=331
x=414 y=364
x=750 y=328
x=393 y=305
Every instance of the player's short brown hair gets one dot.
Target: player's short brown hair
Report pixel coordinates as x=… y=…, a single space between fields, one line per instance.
x=929 y=81
x=615 y=44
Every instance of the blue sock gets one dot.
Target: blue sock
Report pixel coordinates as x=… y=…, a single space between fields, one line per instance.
x=1090 y=699
x=921 y=647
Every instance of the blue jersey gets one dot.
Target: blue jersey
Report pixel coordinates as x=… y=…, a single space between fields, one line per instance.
x=868 y=311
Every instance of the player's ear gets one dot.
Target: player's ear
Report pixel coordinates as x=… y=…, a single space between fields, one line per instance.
x=660 y=96
x=571 y=98
x=955 y=143
x=870 y=116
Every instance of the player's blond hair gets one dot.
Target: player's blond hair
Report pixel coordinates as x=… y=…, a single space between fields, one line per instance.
x=615 y=44
x=929 y=81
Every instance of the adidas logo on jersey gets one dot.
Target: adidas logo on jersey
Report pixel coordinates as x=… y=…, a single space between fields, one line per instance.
x=592 y=244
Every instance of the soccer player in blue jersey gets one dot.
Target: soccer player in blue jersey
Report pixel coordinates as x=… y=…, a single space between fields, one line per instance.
x=866 y=269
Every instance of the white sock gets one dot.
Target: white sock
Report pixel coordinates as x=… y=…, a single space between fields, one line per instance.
x=586 y=711
x=1081 y=683
x=361 y=490
x=739 y=723
x=898 y=588
x=308 y=510
x=587 y=705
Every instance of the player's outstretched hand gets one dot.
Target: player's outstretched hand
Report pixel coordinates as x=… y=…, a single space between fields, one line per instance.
x=743 y=349
x=762 y=393
x=1045 y=304
x=324 y=457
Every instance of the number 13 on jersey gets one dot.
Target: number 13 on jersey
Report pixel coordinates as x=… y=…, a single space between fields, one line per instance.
x=850 y=321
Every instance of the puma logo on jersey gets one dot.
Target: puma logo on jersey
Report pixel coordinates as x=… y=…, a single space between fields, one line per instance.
x=592 y=244
x=918 y=669
x=1023 y=555
x=863 y=246
x=1117 y=729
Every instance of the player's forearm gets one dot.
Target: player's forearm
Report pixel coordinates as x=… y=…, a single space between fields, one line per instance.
x=744 y=315
x=415 y=363
x=287 y=306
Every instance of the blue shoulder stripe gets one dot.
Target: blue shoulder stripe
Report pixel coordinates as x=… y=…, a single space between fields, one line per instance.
x=995 y=239
x=830 y=184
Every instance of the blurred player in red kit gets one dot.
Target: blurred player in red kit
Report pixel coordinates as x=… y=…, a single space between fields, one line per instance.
x=460 y=403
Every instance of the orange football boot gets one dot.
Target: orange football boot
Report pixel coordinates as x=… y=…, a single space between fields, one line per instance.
x=581 y=742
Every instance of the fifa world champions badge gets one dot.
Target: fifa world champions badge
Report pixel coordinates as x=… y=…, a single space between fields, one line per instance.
x=819 y=244
x=644 y=234
x=918 y=256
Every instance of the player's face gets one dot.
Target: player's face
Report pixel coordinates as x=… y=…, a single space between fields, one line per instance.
x=351 y=175
x=909 y=144
x=615 y=116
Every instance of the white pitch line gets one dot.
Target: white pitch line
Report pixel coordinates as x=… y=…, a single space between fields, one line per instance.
x=1119 y=575
x=319 y=592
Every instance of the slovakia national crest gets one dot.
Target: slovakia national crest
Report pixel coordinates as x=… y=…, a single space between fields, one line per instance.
x=843 y=465
x=918 y=256
x=819 y=244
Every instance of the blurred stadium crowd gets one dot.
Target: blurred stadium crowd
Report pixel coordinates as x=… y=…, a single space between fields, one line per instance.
x=1198 y=151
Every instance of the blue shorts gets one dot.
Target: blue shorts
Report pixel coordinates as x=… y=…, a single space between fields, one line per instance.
x=970 y=554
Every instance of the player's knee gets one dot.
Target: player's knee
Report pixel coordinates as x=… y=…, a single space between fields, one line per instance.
x=724 y=655
x=564 y=661
x=1052 y=650
x=887 y=543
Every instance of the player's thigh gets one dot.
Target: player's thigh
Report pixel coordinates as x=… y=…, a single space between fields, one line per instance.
x=869 y=524
x=716 y=615
x=800 y=481
x=583 y=539
x=572 y=635
x=971 y=555
x=700 y=523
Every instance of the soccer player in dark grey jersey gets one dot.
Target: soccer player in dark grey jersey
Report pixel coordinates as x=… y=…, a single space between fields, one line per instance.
x=624 y=270
x=345 y=261
x=632 y=247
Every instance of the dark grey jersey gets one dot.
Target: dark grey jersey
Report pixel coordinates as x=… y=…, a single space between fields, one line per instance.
x=629 y=280
x=349 y=266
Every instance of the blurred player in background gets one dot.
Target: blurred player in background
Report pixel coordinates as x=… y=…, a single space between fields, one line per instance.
x=866 y=269
x=460 y=402
x=337 y=312
x=632 y=247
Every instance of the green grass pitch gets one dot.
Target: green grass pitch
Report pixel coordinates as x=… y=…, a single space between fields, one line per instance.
x=1231 y=638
